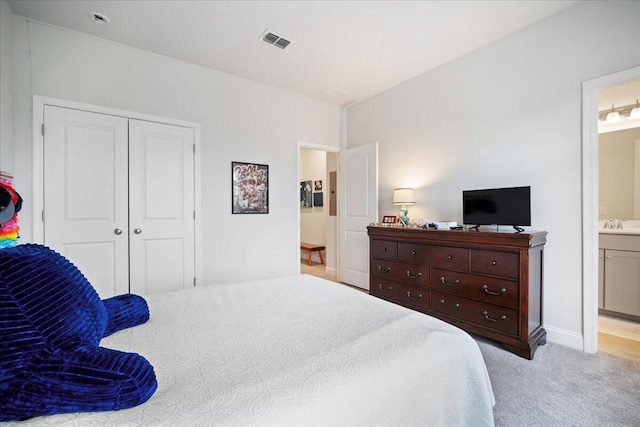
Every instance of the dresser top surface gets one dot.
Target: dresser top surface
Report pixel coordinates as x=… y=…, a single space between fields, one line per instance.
x=498 y=238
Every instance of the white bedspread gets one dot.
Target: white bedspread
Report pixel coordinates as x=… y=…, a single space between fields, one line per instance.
x=298 y=350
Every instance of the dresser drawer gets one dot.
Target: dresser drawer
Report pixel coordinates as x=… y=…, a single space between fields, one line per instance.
x=505 y=264
x=494 y=291
x=400 y=272
x=384 y=249
x=486 y=315
x=434 y=256
x=404 y=294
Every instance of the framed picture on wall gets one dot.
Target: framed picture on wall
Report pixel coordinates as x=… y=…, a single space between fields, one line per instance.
x=250 y=188
x=317 y=185
x=317 y=199
x=306 y=194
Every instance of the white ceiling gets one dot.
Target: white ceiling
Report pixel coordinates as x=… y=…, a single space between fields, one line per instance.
x=362 y=47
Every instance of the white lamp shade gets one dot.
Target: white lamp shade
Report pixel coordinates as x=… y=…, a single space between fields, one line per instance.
x=403 y=196
x=613 y=117
x=635 y=113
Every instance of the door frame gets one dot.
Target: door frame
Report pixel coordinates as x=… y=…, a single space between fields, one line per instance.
x=39 y=103
x=328 y=149
x=590 y=201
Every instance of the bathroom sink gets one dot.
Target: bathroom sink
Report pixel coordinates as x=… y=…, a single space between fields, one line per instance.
x=628 y=227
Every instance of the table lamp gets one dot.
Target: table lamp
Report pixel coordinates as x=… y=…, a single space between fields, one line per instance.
x=403 y=197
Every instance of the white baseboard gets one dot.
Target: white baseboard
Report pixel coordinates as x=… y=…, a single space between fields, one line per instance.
x=564 y=337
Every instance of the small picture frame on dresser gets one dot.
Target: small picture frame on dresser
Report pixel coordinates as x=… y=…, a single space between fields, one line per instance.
x=389 y=220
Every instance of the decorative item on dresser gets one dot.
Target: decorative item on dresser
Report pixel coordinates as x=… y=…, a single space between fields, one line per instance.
x=487 y=283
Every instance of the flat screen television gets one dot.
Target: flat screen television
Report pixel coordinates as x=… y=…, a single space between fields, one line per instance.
x=497 y=206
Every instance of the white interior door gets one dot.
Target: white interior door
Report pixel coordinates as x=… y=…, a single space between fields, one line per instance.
x=85 y=194
x=358 y=209
x=161 y=207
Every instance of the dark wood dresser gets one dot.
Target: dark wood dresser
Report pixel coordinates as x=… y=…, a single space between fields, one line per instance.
x=487 y=283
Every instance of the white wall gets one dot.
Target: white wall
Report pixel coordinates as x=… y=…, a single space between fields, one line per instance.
x=616 y=183
x=313 y=220
x=6 y=88
x=241 y=121
x=505 y=115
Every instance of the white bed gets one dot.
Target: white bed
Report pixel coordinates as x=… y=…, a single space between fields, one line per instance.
x=298 y=350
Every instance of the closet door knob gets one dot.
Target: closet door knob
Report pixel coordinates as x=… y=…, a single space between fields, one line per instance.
x=138 y=230
x=118 y=231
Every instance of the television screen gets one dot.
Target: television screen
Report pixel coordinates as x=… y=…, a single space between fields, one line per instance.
x=499 y=206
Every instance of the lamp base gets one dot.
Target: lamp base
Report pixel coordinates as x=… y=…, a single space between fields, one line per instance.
x=403 y=217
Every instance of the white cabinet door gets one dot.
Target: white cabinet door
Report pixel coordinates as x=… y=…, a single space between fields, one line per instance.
x=85 y=194
x=358 y=208
x=161 y=207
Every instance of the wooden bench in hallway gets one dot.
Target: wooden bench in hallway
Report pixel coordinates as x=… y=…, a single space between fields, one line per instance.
x=311 y=248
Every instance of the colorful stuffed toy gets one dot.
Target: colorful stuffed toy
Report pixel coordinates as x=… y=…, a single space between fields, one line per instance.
x=10 y=204
x=51 y=324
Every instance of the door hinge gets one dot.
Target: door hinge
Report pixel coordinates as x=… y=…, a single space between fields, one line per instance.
x=42 y=129
x=194 y=148
x=43 y=215
x=194 y=281
x=194 y=214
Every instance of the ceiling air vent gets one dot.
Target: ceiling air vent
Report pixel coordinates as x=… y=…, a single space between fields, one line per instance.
x=99 y=18
x=275 y=39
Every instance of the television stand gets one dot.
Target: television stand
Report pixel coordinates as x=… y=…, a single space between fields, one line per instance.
x=475 y=227
x=518 y=229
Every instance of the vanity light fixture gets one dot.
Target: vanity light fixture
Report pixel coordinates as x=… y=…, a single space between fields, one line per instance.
x=618 y=114
x=635 y=113
x=613 y=116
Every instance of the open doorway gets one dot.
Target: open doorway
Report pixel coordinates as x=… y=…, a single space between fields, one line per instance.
x=590 y=202
x=318 y=224
x=619 y=220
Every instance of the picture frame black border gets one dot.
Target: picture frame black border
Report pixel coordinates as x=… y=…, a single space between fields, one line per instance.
x=241 y=211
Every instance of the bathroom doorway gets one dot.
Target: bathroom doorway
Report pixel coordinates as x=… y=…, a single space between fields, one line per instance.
x=619 y=220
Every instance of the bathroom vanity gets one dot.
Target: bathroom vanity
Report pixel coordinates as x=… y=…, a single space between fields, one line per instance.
x=619 y=272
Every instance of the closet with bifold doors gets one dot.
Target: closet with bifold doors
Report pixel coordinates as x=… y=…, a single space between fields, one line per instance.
x=118 y=199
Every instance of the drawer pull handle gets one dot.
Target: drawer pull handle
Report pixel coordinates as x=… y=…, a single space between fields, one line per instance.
x=449 y=257
x=455 y=282
x=413 y=252
x=383 y=289
x=486 y=315
x=494 y=262
x=384 y=249
x=386 y=270
x=409 y=295
x=485 y=288
x=456 y=305
x=413 y=277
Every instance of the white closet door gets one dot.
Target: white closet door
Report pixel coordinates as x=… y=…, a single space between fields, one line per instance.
x=85 y=194
x=161 y=206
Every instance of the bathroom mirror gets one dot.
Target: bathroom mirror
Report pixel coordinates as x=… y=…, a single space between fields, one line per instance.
x=619 y=156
